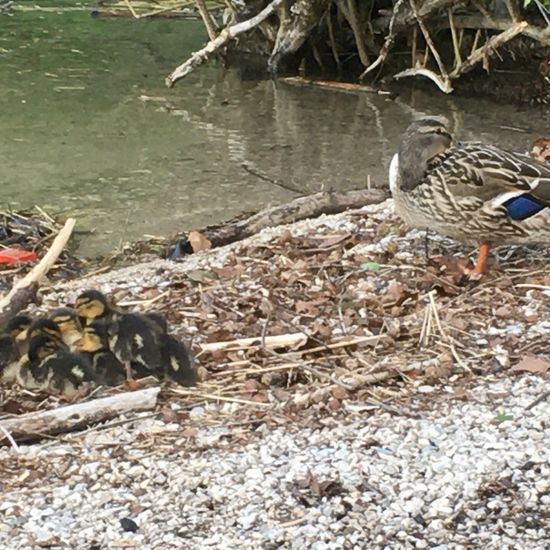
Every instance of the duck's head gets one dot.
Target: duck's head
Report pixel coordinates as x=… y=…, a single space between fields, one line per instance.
x=44 y=327
x=423 y=140
x=42 y=346
x=93 y=338
x=92 y=304
x=66 y=319
x=18 y=326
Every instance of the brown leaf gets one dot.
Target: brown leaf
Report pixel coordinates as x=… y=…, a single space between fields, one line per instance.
x=228 y=272
x=339 y=393
x=532 y=364
x=198 y=241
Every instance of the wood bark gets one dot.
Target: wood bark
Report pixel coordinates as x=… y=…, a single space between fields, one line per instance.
x=34 y=425
x=310 y=206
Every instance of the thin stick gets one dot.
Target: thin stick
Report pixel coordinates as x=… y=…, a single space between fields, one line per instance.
x=456 y=47
x=388 y=43
x=219 y=397
x=206 y=18
x=444 y=75
x=9 y=438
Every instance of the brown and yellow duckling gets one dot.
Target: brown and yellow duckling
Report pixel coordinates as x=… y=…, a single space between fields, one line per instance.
x=51 y=366
x=107 y=369
x=12 y=346
x=44 y=327
x=69 y=324
x=133 y=338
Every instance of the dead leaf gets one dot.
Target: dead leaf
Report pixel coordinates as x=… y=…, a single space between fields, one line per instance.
x=532 y=364
x=198 y=241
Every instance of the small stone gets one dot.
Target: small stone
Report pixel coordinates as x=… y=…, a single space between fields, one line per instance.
x=128 y=525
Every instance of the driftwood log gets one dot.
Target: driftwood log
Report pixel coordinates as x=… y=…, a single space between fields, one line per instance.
x=24 y=291
x=310 y=206
x=34 y=425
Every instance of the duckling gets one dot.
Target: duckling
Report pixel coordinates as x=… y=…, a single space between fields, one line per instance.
x=45 y=327
x=29 y=373
x=68 y=322
x=11 y=346
x=108 y=370
x=52 y=366
x=132 y=337
x=92 y=304
x=177 y=362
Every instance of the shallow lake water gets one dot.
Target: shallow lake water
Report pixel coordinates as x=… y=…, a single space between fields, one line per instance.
x=88 y=129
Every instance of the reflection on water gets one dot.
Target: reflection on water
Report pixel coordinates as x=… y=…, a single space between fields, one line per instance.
x=88 y=129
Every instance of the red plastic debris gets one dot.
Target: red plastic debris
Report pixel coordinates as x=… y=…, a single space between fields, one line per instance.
x=13 y=255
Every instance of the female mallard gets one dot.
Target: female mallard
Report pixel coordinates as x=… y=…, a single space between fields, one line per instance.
x=474 y=193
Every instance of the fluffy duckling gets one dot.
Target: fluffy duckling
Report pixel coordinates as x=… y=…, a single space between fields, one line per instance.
x=132 y=337
x=29 y=373
x=44 y=327
x=92 y=304
x=52 y=366
x=177 y=362
x=108 y=370
x=68 y=322
x=11 y=346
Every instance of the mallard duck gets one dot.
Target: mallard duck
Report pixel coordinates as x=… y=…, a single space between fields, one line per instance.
x=177 y=362
x=107 y=369
x=50 y=365
x=11 y=348
x=472 y=192
x=68 y=322
x=133 y=338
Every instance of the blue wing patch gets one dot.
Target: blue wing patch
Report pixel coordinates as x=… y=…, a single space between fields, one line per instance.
x=523 y=207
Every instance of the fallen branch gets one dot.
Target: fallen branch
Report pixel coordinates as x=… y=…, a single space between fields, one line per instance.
x=310 y=206
x=227 y=34
x=328 y=85
x=33 y=425
x=24 y=290
x=443 y=85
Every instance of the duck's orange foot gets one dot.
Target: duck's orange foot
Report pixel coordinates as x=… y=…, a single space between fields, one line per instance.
x=481 y=263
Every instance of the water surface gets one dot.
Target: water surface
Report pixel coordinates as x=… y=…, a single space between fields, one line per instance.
x=88 y=129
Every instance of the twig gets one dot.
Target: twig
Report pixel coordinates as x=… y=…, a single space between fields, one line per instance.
x=214 y=397
x=283 y=340
x=456 y=47
x=538 y=400
x=350 y=13
x=430 y=43
x=9 y=437
x=388 y=43
x=206 y=18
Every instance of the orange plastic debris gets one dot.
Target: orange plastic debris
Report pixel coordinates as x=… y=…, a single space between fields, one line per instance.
x=14 y=255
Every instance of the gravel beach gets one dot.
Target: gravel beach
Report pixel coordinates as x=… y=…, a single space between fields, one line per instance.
x=453 y=473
